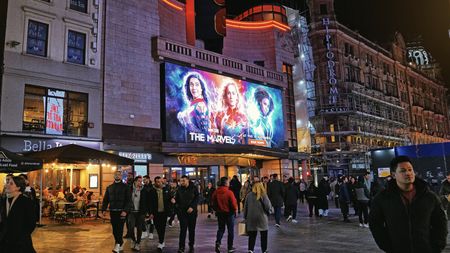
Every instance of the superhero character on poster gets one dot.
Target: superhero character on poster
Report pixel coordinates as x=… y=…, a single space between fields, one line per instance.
x=262 y=128
x=202 y=107
x=231 y=120
x=195 y=118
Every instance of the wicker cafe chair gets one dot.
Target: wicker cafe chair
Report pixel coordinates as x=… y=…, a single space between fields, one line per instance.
x=76 y=211
x=60 y=213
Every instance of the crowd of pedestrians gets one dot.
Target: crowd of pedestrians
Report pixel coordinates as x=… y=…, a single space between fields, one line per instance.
x=403 y=214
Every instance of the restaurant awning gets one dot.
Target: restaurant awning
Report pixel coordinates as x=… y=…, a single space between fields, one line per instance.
x=14 y=163
x=78 y=154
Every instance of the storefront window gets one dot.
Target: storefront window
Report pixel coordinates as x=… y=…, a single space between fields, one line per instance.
x=56 y=112
x=140 y=170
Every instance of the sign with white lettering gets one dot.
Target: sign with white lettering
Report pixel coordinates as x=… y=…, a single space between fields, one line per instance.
x=137 y=157
x=21 y=145
x=331 y=64
x=55 y=112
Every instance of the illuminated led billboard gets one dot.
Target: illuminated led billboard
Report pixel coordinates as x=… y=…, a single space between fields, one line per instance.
x=202 y=107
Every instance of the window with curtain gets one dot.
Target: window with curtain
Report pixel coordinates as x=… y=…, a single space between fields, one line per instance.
x=79 y=5
x=76 y=47
x=37 y=38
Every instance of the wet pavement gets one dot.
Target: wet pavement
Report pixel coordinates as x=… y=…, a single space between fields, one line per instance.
x=327 y=234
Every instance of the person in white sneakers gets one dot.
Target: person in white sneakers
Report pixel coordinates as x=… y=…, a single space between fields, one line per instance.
x=117 y=197
x=140 y=206
x=147 y=227
x=160 y=209
x=292 y=193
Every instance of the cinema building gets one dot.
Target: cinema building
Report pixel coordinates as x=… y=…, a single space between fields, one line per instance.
x=367 y=97
x=185 y=110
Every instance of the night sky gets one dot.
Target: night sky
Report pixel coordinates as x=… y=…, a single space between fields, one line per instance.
x=379 y=19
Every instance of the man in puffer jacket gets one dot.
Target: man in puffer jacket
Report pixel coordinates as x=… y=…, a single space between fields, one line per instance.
x=118 y=197
x=445 y=193
x=407 y=217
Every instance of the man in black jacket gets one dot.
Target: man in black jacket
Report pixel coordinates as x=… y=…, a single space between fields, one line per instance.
x=445 y=193
x=117 y=196
x=276 y=193
x=160 y=209
x=186 y=201
x=290 y=200
x=407 y=217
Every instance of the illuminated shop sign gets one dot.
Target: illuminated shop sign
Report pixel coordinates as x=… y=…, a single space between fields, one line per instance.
x=203 y=107
x=55 y=112
x=137 y=157
x=331 y=64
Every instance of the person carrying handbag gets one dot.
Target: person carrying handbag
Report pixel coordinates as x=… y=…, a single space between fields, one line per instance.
x=256 y=211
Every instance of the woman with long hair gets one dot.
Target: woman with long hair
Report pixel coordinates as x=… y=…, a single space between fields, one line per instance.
x=18 y=218
x=195 y=118
x=232 y=121
x=256 y=214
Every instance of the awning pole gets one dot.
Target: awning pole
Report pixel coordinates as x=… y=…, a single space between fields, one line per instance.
x=40 y=198
x=71 y=179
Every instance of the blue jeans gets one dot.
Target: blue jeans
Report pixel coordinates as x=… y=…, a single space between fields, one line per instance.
x=225 y=219
x=277 y=210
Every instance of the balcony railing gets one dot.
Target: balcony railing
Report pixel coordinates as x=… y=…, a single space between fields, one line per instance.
x=164 y=48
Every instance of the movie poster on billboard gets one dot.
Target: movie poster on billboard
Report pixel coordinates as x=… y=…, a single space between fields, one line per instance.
x=202 y=107
x=55 y=112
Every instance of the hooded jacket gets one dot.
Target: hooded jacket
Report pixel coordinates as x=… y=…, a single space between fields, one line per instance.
x=223 y=200
x=418 y=227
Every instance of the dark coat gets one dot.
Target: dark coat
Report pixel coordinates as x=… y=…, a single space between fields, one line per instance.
x=312 y=192
x=324 y=190
x=344 y=193
x=276 y=193
x=235 y=187
x=16 y=229
x=444 y=192
x=118 y=197
x=292 y=194
x=187 y=197
x=154 y=201
x=420 y=227
x=144 y=201
x=207 y=193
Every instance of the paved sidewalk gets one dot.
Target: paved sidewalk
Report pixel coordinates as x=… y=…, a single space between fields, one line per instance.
x=328 y=234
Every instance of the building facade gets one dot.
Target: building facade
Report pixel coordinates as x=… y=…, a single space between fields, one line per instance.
x=367 y=97
x=220 y=128
x=51 y=90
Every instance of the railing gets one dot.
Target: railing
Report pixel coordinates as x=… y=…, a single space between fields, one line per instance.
x=165 y=48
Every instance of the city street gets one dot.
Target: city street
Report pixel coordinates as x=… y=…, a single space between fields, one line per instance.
x=309 y=235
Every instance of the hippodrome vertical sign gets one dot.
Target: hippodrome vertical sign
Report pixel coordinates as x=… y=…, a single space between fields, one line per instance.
x=331 y=64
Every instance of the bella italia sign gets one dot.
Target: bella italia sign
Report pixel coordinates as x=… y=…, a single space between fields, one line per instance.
x=21 y=145
x=331 y=64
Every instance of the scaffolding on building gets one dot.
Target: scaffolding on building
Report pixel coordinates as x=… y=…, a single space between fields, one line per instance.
x=363 y=118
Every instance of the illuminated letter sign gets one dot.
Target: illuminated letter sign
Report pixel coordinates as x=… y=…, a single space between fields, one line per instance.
x=55 y=112
x=331 y=64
